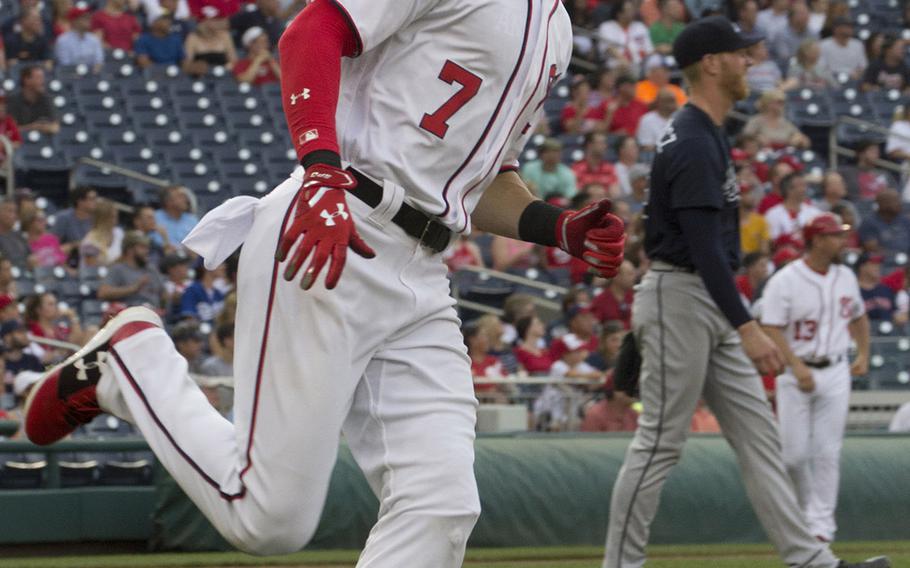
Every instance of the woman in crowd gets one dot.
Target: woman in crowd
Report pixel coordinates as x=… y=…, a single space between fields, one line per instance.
x=888 y=71
x=209 y=45
x=611 y=337
x=626 y=156
x=805 y=72
x=532 y=352
x=494 y=329
x=484 y=365
x=46 y=319
x=101 y=246
x=771 y=126
x=45 y=246
x=60 y=11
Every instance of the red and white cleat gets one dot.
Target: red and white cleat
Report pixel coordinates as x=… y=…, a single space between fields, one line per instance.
x=65 y=397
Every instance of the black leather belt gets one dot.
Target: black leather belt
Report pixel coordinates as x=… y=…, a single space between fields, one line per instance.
x=824 y=362
x=424 y=227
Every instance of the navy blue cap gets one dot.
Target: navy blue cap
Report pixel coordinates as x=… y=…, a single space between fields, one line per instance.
x=714 y=34
x=10 y=326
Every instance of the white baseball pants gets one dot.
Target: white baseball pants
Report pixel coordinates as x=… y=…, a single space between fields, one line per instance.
x=380 y=358
x=812 y=434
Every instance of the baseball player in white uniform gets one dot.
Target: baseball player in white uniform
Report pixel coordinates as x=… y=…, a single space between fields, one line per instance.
x=428 y=103
x=811 y=308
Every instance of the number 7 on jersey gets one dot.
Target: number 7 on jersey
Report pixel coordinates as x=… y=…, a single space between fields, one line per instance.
x=437 y=123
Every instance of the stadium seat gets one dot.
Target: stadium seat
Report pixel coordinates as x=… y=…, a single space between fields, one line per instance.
x=22 y=471
x=134 y=468
x=77 y=470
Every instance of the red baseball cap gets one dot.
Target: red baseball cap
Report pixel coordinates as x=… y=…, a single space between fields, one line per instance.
x=824 y=224
x=784 y=255
x=77 y=12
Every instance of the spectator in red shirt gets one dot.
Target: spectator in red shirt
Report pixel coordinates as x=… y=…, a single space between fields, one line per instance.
x=259 y=67
x=531 y=352
x=615 y=302
x=612 y=414
x=8 y=127
x=580 y=321
x=579 y=116
x=755 y=272
x=778 y=171
x=593 y=168
x=483 y=364
x=119 y=29
x=624 y=111
x=45 y=318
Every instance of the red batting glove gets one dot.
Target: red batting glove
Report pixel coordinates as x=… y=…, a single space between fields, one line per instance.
x=324 y=221
x=594 y=235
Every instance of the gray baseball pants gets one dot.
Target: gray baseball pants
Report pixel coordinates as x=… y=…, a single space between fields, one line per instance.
x=690 y=351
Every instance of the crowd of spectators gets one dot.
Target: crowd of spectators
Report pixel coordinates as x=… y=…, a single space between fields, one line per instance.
x=620 y=98
x=617 y=113
x=195 y=36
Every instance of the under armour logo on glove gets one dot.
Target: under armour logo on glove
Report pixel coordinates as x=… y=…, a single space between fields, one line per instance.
x=325 y=232
x=330 y=217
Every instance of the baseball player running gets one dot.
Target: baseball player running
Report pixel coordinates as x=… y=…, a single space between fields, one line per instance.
x=429 y=102
x=696 y=337
x=811 y=308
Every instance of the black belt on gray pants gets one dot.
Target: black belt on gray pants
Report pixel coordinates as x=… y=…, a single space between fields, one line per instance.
x=424 y=227
x=824 y=362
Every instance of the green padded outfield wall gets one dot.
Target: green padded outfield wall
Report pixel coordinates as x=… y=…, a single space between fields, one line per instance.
x=552 y=490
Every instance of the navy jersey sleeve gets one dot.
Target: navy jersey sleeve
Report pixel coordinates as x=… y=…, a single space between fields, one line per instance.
x=693 y=173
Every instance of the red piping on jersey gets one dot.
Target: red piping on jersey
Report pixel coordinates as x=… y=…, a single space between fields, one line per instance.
x=311 y=50
x=502 y=100
x=821 y=316
x=834 y=313
x=543 y=64
x=262 y=349
x=167 y=434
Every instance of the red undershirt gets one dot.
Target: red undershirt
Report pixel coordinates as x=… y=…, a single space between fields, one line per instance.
x=310 y=53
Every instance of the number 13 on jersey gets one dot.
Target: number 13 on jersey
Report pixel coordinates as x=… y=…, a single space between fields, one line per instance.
x=437 y=123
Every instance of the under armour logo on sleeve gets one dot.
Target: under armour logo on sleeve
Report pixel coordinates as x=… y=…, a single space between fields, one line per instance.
x=330 y=217
x=304 y=94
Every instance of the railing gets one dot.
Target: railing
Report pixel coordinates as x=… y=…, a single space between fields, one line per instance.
x=133 y=174
x=552 y=290
x=835 y=149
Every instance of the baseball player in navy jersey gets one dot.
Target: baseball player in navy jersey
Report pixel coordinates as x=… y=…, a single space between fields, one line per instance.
x=408 y=117
x=811 y=308
x=695 y=335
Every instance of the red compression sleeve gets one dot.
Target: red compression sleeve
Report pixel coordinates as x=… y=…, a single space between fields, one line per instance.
x=311 y=50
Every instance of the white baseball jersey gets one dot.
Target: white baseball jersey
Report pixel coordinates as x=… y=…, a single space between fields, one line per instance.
x=434 y=105
x=782 y=222
x=814 y=308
